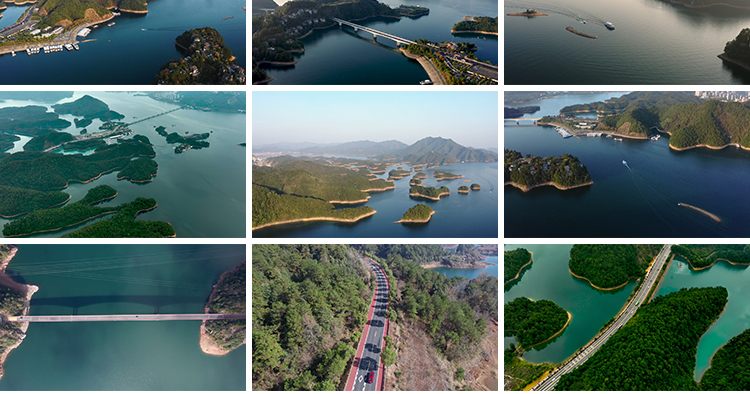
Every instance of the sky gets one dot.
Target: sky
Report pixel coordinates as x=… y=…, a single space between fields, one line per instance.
x=468 y=118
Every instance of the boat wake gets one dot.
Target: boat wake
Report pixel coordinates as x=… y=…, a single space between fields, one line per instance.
x=579 y=15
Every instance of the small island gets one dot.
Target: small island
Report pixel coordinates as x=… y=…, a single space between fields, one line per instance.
x=563 y=172
x=412 y=11
x=475 y=187
x=419 y=213
x=477 y=25
x=528 y=13
x=431 y=192
x=463 y=189
x=207 y=61
x=140 y=170
x=398 y=173
x=219 y=337
x=420 y=175
x=415 y=182
x=535 y=322
x=445 y=176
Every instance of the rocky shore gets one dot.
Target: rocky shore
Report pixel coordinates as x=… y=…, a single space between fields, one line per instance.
x=321 y=218
x=526 y=188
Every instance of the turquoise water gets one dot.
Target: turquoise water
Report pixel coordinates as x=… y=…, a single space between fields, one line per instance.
x=736 y=316
x=490 y=270
x=122 y=355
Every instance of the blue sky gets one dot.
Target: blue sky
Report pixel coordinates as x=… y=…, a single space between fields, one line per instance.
x=468 y=118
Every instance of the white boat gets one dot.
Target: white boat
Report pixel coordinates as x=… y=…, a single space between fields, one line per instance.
x=624 y=162
x=13 y=53
x=110 y=24
x=75 y=46
x=425 y=82
x=69 y=47
x=609 y=25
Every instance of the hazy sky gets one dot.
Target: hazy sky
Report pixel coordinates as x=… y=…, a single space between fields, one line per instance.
x=468 y=118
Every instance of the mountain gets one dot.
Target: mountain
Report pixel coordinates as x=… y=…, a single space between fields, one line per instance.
x=436 y=150
x=359 y=148
x=285 y=147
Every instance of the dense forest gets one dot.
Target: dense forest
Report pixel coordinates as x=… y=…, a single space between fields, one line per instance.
x=15 y=201
x=31 y=120
x=431 y=192
x=7 y=141
x=533 y=321
x=230 y=297
x=57 y=12
x=309 y=308
x=445 y=175
x=270 y=206
x=480 y=23
x=634 y=100
x=738 y=49
x=565 y=170
x=513 y=260
x=124 y=225
x=729 y=369
x=45 y=141
x=140 y=170
x=84 y=145
x=417 y=212
x=702 y=256
x=463 y=189
x=11 y=304
x=89 y=108
x=519 y=373
x=611 y=265
x=656 y=349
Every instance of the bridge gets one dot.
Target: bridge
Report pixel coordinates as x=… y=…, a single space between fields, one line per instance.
x=583 y=354
x=146 y=317
x=375 y=33
x=154 y=116
x=519 y=119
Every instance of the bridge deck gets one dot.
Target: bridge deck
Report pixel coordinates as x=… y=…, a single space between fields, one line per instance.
x=145 y=317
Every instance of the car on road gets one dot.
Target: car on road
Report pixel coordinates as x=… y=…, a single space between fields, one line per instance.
x=370 y=377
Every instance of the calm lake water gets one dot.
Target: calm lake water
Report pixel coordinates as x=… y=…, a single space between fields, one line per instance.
x=200 y=192
x=162 y=355
x=637 y=200
x=734 y=320
x=125 y=54
x=339 y=56
x=470 y=274
x=456 y=216
x=549 y=279
x=654 y=42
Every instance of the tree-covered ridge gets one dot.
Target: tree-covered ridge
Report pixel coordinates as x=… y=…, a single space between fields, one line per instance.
x=11 y=304
x=309 y=306
x=124 y=225
x=513 y=260
x=313 y=179
x=441 y=151
x=56 y=218
x=702 y=256
x=46 y=141
x=83 y=145
x=70 y=12
x=89 y=108
x=611 y=265
x=565 y=170
x=229 y=297
x=445 y=175
x=398 y=173
x=429 y=192
x=419 y=253
x=15 y=201
x=656 y=349
x=480 y=23
x=31 y=120
x=634 y=121
x=7 y=141
x=729 y=369
x=713 y=123
x=207 y=61
x=738 y=49
x=634 y=100
x=418 y=212
x=140 y=170
x=533 y=321
x=44 y=171
x=517 y=112
x=270 y=206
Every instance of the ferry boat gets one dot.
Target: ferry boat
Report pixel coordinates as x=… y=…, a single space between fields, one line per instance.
x=13 y=53
x=655 y=137
x=609 y=25
x=624 y=162
x=110 y=24
x=425 y=82
x=69 y=47
x=564 y=133
x=618 y=139
x=75 y=46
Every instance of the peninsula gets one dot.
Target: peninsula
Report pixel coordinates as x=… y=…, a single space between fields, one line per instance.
x=419 y=213
x=534 y=322
x=564 y=172
x=219 y=337
x=124 y=225
x=445 y=176
x=15 y=300
x=701 y=257
x=608 y=267
x=480 y=25
x=528 y=13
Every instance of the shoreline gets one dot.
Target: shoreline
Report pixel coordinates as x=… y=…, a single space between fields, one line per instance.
x=726 y=58
x=663 y=275
x=521 y=269
x=52 y=206
x=736 y=145
x=431 y=198
x=710 y=265
x=526 y=188
x=319 y=218
x=349 y=202
x=378 y=190
x=417 y=220
x=597 y=287
x=28 y=291
x=435 y=75
x=699 y=210
x=60 y=228
x=490 y=33
x=570 y=317
x=207 y=345
x=709 y=5
x=463 y=191
x=73 y=38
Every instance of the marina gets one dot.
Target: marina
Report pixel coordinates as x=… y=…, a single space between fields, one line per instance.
x=564 y=133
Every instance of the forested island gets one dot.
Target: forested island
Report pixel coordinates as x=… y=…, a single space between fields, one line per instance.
x=431 y=192
x=662 y=336
x=219 y=337
x=206 y=61
x=412 y=11
x=729 y=370
x=737 y=51
x=534 y=322
x=415 y=181
x=514 y=262
x=610 y=266
x=704 y=256
x=193 y=141
x=478 y=24
x=563 y=172
x=419 y=213
x=475 y=187
x=445 y=176
x=398 y=173
x=463 y=189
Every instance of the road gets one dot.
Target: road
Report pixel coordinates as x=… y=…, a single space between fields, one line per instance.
x=23 y=24
x=582 y=355
x=370 y=346
x=144 y=317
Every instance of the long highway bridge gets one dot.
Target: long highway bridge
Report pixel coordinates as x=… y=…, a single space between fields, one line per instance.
x=155 y=116
x=375 y=33
x=587 y=351
x=145 y=317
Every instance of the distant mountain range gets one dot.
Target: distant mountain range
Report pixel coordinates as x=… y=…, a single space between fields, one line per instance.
x=430 y=150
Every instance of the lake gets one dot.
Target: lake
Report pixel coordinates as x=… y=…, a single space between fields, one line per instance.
x=654 y=42
x=200 y=192
x=549 y=279
x=470 y=274
x=733 y=321
x=132 y=51
x=638 y=200
x=339 y=56
x=126 y=279
x=472 y=215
